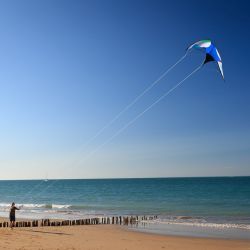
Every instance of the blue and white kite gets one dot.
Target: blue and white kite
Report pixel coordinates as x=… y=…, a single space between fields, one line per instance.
x=212 y=54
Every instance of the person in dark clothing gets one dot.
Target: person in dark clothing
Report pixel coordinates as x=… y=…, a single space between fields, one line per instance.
x=13 y=209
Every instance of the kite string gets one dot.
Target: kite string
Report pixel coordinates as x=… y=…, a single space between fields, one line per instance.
x=142 y=113
x=29 y=193
x=128 y=106
x=44 y=189
x=135 y=100
x=32 y=189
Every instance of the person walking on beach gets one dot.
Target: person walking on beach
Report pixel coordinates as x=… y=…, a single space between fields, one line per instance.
x=13 y=209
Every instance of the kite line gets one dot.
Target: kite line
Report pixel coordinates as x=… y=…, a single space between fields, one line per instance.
x=142 y=113
x=32 y=189
x=29 y=194
x=212 y=55
x=126 y=108
x=135 y=100
x=132 y=121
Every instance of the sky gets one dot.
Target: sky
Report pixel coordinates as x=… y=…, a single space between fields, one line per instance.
x=68 y=68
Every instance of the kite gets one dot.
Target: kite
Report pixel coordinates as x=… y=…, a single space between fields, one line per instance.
x=212 y=54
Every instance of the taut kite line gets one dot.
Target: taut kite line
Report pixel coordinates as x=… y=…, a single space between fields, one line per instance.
x=212 y=55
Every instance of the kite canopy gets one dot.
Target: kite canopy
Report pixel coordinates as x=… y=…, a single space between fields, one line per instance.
x=212 y=53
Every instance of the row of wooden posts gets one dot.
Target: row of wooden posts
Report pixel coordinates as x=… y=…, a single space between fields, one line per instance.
x=121 y=220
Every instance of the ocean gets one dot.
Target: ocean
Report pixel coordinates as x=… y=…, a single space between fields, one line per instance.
x=211 y=202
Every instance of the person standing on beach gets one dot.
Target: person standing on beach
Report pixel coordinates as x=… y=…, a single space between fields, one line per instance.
x=13 y=209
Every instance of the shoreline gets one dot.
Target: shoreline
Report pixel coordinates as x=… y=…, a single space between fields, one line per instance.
x=141 y=224
x=191 y=231
x=107 y=237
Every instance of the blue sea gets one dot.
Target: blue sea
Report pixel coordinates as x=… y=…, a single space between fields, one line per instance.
x=213 y=203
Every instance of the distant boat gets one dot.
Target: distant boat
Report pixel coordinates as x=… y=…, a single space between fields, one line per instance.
x=46 y=178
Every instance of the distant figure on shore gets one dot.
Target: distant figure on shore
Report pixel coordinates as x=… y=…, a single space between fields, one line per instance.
x=13 y=209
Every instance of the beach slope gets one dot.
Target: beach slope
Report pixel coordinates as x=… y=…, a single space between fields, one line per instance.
x=106 y=237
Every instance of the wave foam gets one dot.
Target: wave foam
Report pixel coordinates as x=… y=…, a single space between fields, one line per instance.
x=60 y=206
x=4 y=206
x=203 y=224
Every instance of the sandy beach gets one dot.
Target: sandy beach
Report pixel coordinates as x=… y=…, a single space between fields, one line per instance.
x=105 y=237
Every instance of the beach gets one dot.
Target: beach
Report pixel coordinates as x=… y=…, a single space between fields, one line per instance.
x=106 y=237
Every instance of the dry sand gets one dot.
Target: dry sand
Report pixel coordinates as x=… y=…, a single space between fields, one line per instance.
x=105 y=237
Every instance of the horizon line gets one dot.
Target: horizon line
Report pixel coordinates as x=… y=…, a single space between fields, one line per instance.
x=124 y=178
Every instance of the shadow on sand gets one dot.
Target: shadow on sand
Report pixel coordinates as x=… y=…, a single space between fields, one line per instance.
x=46 y=232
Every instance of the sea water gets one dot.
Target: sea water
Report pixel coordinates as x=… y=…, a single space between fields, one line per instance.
x=213 y=203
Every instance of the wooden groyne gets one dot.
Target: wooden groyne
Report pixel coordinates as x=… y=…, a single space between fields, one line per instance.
x=118 y=220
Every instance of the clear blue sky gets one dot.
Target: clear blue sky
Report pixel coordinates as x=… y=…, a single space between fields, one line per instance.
x=68 y=67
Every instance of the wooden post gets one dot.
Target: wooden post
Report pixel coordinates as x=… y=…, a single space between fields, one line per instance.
x=127 y=220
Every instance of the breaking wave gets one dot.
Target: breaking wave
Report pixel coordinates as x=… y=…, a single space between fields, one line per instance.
x=197 y=222
x=4 y=206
